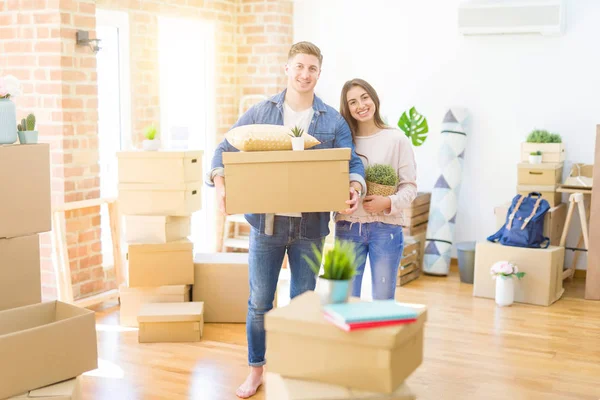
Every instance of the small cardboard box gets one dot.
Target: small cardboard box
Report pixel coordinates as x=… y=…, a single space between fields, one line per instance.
x=161 y=264
x=154 y=229
x=539 y=174
x=548 y=193
x=66 y=390
x=280 y=388
x=301 y=344
x=170 y=322
x=542 y=283
x=132 y=299
x=554 y=221
x=25 y=183
x=20 y=276
x=213 y=272
x=551 y=152
x=42 y=344
x=175 y=199
x=287 y=181
x=164 y=166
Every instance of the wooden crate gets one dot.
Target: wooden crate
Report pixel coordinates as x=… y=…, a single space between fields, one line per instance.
x=409 y=277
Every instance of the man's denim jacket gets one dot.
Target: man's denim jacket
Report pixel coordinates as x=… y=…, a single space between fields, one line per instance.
x=327 y=126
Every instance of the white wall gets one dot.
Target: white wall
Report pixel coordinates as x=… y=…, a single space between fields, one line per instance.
x=412 y=53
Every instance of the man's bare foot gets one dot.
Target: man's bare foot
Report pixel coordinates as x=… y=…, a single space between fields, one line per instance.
x=251 y=384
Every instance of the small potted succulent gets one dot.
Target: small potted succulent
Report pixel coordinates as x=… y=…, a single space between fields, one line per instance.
x=151 y=143
x=535 y=157
x=381 y=180
x=26 y=130
x=339 y=267
x=504 y=273
x=297 y=138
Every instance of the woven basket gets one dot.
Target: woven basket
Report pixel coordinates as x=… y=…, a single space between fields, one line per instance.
x=380 y=190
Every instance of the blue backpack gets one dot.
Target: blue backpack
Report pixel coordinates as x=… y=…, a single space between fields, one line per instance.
x=524 y=225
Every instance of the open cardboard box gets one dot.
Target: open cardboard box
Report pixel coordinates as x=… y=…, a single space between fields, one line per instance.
x=45 y=343
x=66 y=390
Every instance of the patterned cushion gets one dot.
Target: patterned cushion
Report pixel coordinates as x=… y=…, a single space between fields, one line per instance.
x=265 y=137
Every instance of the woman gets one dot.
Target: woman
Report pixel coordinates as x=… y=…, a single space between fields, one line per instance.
x=376 y=226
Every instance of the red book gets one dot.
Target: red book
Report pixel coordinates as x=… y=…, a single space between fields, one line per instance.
x=353 y=326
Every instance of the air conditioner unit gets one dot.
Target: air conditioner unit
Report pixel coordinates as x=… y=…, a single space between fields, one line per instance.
x=494 y=17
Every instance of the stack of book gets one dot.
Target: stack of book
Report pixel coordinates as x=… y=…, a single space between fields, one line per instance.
x=364 y=315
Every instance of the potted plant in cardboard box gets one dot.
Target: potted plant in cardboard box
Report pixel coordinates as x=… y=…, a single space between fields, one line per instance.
x=297 y=138
x=339 y=267
x=151 y=143
x=504 y=273
x=26 y=130
x=549 y=144
x=535 y=157
x=381 y=180
x=9 y=88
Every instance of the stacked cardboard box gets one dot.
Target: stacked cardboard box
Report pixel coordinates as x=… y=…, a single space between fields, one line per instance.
x=410 y=264
x=545 y=177
x=303 y=346
x=35 y=335
x=158 y=193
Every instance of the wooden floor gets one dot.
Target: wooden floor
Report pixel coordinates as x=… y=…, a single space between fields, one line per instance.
x=473 y=350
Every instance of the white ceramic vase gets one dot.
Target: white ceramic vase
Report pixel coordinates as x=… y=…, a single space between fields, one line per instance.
x=535 y=159
x=505 y=290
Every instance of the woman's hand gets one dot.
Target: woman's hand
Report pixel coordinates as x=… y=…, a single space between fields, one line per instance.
x=376 y=204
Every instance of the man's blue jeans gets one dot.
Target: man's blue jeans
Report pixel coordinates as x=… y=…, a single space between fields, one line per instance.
x=384 y=243
x=266 y=255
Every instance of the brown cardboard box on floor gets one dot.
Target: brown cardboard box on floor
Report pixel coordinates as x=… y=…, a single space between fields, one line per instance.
x=287 y=181
x=280 y=388
x=156 y=229
x=542 y=283
x=170 y=322
x=161 y=264
x=20 y=276
x=554 y=221
x=132 y=299
x=163 y=166
x=301 y=344
x=176 y=199
x=66 y=390
x=42 y=344
x=25 y=183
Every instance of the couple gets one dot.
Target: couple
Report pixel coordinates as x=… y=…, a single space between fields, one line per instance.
x=371 y=222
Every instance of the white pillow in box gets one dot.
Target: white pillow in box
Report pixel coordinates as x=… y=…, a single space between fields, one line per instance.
x=265 y=137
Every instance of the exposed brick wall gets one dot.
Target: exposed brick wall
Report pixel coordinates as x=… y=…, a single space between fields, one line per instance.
x=37 y=44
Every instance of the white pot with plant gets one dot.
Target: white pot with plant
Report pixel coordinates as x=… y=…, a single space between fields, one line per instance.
x=339 y=267
x=382 y=180
x=26 y=130
x=504 y=273
x=9 y=87
x=549 y=144
x=151 y=143
x=535 y=157
x=297 y=138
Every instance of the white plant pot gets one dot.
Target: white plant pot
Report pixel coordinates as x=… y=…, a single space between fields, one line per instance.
x=151 y=145
x=505 y=290
x=298 y=143
x=535 y=159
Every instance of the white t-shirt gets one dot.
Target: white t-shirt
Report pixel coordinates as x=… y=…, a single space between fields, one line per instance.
x=300 y=119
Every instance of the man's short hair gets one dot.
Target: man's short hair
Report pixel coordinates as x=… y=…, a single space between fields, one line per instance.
x=306 y=48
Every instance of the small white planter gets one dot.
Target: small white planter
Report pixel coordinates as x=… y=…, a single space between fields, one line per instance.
x=535 y=159
x=505 y=290
x=151 y=145
x=298 y=143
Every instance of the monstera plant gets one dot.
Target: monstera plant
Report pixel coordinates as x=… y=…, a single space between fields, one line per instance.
x=414 y=126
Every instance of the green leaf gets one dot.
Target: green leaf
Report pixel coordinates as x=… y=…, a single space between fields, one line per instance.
x=414 y=126
x=520 y=274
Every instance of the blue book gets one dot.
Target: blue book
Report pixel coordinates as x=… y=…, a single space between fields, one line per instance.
x=377 y=310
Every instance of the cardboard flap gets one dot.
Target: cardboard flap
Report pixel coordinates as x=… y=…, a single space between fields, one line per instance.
x=189 y=155
x=65 y=389
x=168 y=289
x=171 y=312
x=304 y=316
x=221 y=258
x=179 y=245
x=338 y=154
x=192 y=187
x=551 y=166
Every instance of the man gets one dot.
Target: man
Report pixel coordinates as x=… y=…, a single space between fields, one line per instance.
x=272 y=235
